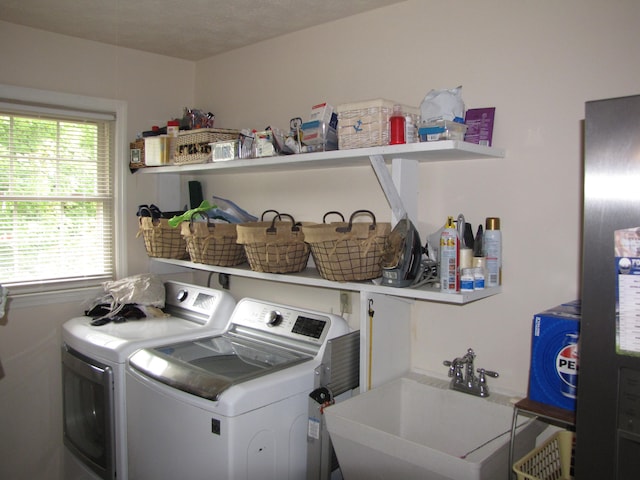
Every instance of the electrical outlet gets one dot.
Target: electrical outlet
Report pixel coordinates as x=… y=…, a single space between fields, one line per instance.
x=345 y=302
x=224 y=279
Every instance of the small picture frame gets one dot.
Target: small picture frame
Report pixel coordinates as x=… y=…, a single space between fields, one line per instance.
x=135 y=157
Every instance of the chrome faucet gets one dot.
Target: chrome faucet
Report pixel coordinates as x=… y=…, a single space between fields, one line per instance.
x=463 y=378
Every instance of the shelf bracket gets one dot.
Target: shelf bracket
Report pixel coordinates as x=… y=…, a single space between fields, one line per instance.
x=404 y=180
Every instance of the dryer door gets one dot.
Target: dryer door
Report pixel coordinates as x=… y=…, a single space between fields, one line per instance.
x=87 y=388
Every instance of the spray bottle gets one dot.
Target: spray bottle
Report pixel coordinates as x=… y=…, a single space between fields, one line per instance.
x=449 y=258
x=493 y=251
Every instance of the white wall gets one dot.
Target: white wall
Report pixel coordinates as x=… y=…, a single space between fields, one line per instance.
x=155 y=88
x=537 y=62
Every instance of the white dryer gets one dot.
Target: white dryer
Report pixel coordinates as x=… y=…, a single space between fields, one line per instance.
x=93 y=374
x=232 y=406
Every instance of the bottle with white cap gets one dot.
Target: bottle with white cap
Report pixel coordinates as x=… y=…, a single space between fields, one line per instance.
x=449 y=258
x=492 y=246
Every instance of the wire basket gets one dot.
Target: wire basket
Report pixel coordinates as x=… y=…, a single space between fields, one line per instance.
x=550 y=461
x=212 y=243
x=192 y=146
x=162 y=240
x=275 y=246
x=348 y=251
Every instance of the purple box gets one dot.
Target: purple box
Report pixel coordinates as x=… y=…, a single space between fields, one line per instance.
x=553 y=376
x=479 y=123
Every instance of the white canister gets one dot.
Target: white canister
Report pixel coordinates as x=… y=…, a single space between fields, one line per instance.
x=466 y=280
x=492 y=244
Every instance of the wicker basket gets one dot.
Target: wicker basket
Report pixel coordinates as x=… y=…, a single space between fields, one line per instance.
x=275 y=246
x=192 y=146
x=366 y=124
x=348 y=251
x=161 y=240
x=550 y=461
x=212 y=243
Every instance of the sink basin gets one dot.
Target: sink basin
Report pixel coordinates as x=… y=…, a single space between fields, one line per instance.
x=415 y=427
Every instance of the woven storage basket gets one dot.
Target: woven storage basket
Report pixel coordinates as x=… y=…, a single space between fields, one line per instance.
x=550 y=461
x=366 y=124
x=348 y=251
x=161 y=240
x=213 y=243
x=275 y=246
x=192 y=146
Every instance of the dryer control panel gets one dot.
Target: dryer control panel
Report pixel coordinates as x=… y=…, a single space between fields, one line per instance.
x=195 y=303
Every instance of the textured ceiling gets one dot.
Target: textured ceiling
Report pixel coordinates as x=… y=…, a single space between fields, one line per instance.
x=188 y=29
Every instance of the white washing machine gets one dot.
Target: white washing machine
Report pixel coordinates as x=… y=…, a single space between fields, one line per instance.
x=232 y=406
x=93 y=371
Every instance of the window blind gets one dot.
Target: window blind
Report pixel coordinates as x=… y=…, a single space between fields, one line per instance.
x=56 y=198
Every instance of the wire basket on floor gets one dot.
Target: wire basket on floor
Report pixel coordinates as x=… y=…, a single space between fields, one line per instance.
x=348 y=251
x=162 y=240
x=550 y=461
x=212 y=243
x=275 y=246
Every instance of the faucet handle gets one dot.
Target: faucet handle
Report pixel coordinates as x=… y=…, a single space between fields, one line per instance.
x=483 y=388
x=451 y=365
x=455 y=369
x=483 y=372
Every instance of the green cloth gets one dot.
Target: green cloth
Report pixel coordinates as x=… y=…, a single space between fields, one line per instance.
x=186 y=216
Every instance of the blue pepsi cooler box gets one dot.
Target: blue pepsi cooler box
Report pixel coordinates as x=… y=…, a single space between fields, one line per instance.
x=553 y=376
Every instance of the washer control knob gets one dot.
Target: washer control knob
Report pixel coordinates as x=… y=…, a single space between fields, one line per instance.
x=182 y=295
x=274 y=318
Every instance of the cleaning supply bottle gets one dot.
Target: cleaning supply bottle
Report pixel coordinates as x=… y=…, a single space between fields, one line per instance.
x=397 y=126
x=449 y=258
x=410 y=130
x=492 y=247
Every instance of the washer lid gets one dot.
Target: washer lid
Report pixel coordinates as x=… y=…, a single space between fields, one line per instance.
x=193 y=311
x=209 y=366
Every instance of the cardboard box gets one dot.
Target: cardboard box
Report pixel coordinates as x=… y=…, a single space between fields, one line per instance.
x=479 y=123
x=321 y=112
x=553 y=375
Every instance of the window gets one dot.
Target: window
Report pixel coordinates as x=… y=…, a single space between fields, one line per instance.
x=57 y=222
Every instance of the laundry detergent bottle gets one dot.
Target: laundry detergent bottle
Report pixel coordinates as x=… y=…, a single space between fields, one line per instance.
x=449 y=258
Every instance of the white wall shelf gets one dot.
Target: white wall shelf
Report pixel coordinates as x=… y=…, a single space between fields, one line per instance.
x=310 y=277
x=449 y=150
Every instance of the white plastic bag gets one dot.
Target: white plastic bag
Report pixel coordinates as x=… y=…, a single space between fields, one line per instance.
x=442 y=105
x=142 y=289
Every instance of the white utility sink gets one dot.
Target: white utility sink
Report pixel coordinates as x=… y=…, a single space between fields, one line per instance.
x=414 y=427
